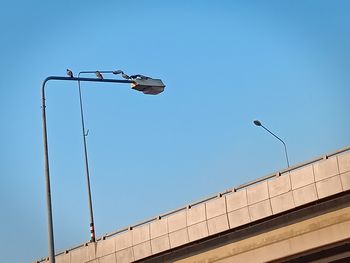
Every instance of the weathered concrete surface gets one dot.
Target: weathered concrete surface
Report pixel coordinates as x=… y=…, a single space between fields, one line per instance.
x=293 y=189
x=292 y=239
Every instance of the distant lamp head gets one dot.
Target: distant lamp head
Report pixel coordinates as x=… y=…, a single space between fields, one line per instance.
x=257 y=123
x=148 y=86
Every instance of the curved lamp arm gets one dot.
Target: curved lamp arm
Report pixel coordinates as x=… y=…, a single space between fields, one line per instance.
x=46 y=155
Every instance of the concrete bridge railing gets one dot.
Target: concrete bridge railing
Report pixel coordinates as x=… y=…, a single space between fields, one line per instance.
x=244 y=204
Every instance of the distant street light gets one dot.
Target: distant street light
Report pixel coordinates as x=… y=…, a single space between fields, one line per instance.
x=154 y=86
x=258 y=123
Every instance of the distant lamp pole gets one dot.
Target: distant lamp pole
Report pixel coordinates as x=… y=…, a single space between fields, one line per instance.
x=99 y=75
x=258 y=123
x=85 y=134
x=147 y=86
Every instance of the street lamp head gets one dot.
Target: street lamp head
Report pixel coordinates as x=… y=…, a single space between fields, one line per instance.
x=257 y=123
x=148 y=86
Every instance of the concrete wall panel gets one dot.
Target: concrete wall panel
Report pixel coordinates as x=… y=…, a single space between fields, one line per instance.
x=108 y=259
x=257 y=193
x=159 y=227
x=329 y=186
x=105 y=247
x=260 y=210
x=236 y=200
x=305 y=195
x=216 y=207
x=125 y=256
x=123 y=240
x=279 y=185
x=63 y=258
x=344 y=162
x=198 y=231
x=239 y=217
x=160 y=244
x=178 y=238
x=282 y=203
x=79 y=255
x=218 y=224
x=302 y=176
x=326 y=168
x=345 y=181
x=196 y=214
x=140 y=234
x=177 y=221
x=142 y=250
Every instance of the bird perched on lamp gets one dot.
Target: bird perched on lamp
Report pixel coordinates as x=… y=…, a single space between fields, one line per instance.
x=116 y=72
x=138 y=76
x=125 y=76
x=99 y=75
x=69 y=73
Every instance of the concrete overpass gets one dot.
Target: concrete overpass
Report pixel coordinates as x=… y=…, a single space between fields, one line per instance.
x=300 y=214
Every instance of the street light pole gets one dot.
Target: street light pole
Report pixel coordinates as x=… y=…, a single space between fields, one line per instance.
x=92 y=225
x=47 y=178
x=152 y=86
x=87 y=173
x=259 y=124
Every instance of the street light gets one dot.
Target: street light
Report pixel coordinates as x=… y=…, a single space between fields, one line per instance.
x=258 y=123
x=155 y=87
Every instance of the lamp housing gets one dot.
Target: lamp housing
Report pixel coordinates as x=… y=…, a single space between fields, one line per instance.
x=257 y=123
x=148 y=86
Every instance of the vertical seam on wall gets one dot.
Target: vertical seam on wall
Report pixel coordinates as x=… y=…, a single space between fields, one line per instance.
x=268 y=195
x=313 y=174
x=188 y=234
x=341 y=183
x=228 y=222
x=150 y=240
x=246 y=196
x=132 y=251
x=168 y=231
x=291 y=189
x=206 y=218
x=132 y=243
x=168 y=240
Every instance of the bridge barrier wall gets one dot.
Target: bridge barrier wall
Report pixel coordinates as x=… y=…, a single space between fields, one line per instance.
x=262 y=198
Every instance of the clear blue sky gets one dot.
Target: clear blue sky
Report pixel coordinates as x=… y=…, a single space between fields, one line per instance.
x=225 y=63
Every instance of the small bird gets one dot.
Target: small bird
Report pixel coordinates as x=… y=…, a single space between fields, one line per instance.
x=69 y=73
x=99 y=75
x=116 y=72
x=125 y=76
x=138 y=76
